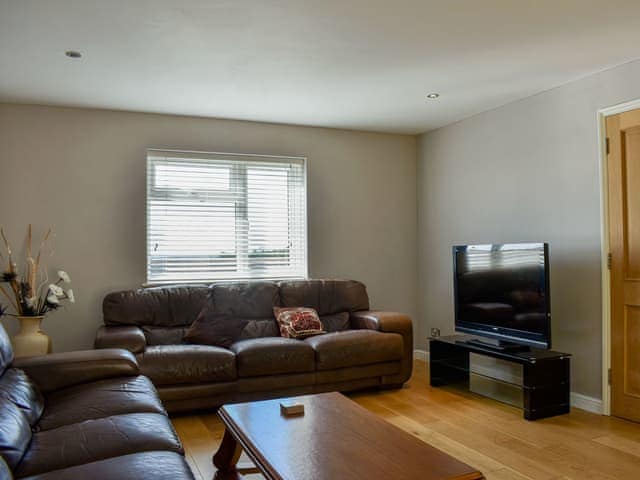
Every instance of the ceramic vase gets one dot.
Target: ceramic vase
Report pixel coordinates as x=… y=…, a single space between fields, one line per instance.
x=30 y=340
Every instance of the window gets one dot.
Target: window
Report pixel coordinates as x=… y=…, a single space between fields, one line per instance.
x=219 y=216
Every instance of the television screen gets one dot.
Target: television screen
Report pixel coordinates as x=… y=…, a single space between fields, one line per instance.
x=502 y=291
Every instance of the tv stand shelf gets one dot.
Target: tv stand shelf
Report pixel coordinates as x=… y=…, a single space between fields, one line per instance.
x=545 y=373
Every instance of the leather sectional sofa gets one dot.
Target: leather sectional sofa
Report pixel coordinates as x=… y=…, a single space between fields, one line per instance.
x=363 y=349
x=83 y=415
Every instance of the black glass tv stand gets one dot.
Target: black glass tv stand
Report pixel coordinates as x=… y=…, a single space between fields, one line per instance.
x=545 y=373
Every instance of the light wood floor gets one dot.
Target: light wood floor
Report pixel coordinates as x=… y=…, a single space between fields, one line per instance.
x=484 y=433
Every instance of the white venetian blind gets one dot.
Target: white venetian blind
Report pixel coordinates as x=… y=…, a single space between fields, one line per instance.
x=219 y=216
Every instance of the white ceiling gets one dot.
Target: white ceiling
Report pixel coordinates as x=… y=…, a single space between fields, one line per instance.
x=361 y=64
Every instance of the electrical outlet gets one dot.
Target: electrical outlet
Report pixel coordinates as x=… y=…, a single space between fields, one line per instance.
x=435 y=332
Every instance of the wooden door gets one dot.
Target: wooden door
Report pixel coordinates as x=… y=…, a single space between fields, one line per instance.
x=623 y=132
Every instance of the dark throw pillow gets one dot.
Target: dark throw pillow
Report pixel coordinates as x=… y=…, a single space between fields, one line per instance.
x=214 y=329
x=336 y=322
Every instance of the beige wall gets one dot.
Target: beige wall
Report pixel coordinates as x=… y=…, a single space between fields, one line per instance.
x=84 y=172
x=525 y=171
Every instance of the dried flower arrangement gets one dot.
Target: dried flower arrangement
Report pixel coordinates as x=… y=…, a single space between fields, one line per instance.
x=32 y=295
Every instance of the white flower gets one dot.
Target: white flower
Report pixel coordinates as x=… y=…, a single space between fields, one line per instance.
x=56 y=290
x=53 y=299
x=70 y=296
x=30 y=301
x=64 y=276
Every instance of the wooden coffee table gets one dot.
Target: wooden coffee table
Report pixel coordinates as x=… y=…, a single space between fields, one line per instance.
x=335 y=439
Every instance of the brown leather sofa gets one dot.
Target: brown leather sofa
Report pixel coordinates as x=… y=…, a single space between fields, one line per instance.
x=83 y=415
x=363 y=349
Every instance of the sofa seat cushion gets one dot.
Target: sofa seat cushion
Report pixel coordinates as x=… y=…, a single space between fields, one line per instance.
x=155 y=465
x=17 y=387
x=273 y=356
x=185 y=364
x=98 y=439
x=100 y=399
x=355 y=347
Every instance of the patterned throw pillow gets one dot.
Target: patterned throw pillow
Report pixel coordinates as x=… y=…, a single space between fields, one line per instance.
x=298 y=322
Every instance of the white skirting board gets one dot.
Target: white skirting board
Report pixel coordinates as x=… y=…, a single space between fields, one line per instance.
x=578 y=400
x=583 y=402
x=421 y=355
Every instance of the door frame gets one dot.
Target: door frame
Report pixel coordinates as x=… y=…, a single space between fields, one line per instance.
x=602 y=115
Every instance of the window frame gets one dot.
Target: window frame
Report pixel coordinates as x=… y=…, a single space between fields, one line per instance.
x=237 y=157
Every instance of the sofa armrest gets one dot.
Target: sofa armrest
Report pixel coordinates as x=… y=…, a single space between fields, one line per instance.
x=60 y=370
x=390 y=322
x=128 y=337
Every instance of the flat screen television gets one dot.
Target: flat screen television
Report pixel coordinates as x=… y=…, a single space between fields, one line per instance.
x=501 y=291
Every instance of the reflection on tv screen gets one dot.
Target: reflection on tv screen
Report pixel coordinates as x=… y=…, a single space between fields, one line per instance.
x=502 y=286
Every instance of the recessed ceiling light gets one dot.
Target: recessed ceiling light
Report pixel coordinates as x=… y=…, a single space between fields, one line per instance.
x=433 y=95
x=73 y=54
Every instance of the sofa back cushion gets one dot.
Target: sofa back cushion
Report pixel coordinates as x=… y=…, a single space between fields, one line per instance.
x=15 y=433
x=6 y=352
x=325 y=296
x=5 y=473
x=249 y=302
x=165 y=313
x=332 y=299
x=155 y=307
x=17 y=387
